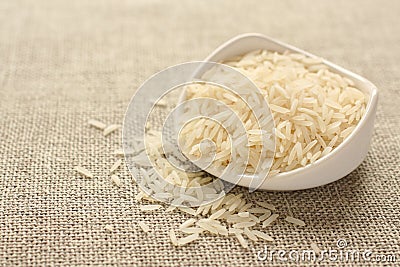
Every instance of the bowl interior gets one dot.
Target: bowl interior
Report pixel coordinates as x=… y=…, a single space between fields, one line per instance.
x=250 y=42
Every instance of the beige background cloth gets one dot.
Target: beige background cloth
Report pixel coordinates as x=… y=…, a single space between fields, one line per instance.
x=64 y=62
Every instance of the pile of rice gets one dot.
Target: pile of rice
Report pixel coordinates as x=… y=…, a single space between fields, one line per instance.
x=313 y=109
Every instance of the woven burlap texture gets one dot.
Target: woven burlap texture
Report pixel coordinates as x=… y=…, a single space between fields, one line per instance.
x=64 y=62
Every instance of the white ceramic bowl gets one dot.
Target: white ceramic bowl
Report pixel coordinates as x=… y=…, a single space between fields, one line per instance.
x=343 y=159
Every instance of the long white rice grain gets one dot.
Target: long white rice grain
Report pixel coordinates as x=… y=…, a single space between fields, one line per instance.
x=250 y=234
x=265 y=216
x=266 y=205
x=237 y=219
x=270 y=220
x=243 y=224
x=245 y=207
x=206 y=210
x=187 y=223
x=115 y=166
x=173 y=238
x=217 y=214
x=243 y=214
x=254 y=218
x=185 y=240
x=262 y=235
x=208 y=227
x=150 y=207
x=279 y=109
x=234 y=205
x=242 y=241
x=235 y=231
x=221 y=229
x=97 y=124
x=111 y=128
x=192 y=230
x=295 y=221
x=258 y=210
x=84 y=172
x=326 y=151
x=347 y=132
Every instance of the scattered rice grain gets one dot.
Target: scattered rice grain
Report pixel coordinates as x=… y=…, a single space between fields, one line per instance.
x=187 y=223
x=186 y=240
x=144 y=227
x=97 y=124
x=150 y=207
x=242 y=241
x=295 y=221
x=262 y=235
x=270 y=220
x=111 y=128
x=115 y=166
x=84 y=172
x=115 y=179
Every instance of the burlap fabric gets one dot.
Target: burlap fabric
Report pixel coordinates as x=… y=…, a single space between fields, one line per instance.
x=64 y=62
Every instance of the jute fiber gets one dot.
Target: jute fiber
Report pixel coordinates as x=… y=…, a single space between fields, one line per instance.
x=65 y=62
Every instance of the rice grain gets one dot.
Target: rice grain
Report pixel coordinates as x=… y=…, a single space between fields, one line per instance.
x=84 y=172
x=270 y=220
x=185 y=240
x=187 y=223
x=97 y=124
x=144 y=227
x=173 y=238
x=262 y=235
x=111 y=128
x=295 y=221
x=150 y=207
x=242 y=241
x=115 y=179
x=115 y=166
